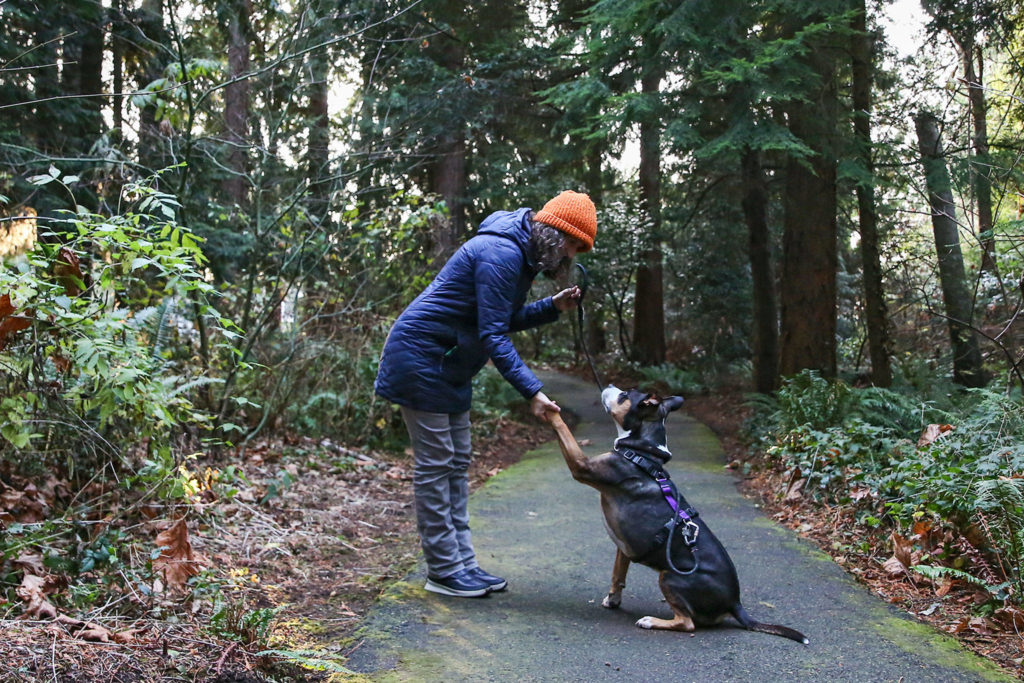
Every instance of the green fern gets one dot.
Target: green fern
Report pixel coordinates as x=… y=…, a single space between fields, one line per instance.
x=810 y=399
x=308 y=659
x=1000 y=503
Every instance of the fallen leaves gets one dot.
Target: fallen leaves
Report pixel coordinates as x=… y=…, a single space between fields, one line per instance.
x=36 y=585
x=933 y=433
x=176 y=563
x=33 y=590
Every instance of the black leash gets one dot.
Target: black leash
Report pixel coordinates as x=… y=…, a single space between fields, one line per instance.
x=584 y=285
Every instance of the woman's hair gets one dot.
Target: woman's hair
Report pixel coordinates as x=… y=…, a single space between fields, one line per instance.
x=547 y=242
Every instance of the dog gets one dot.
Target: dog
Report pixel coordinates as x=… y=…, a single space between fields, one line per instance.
x=697 y=577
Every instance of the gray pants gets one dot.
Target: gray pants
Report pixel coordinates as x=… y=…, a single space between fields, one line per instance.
x=441 y=450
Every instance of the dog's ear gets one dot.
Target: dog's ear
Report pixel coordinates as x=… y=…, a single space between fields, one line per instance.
x=648 y=405
x=670 y=404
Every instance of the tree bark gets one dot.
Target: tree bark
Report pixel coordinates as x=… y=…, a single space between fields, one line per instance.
x=117 y=66
x=236 y=100
x=981 y=164
x=967 y=363
x=766 y=326
x=83 y=75
x=807 y=336
x=318 y=150
x=649 y=302
x=448 y=179
x=871 y=266
x=448 y=172
x=150 y=66
x=47 y=84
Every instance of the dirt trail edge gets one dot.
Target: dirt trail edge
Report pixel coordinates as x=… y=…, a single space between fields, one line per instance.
x=541 y=530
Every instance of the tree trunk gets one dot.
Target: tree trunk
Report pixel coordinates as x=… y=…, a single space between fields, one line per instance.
x=318 y=151
x=808 y=300
x=150 y=67
x=448 y=172
x=981 y=164
x=967 y=364
x=766 y=326
x=117 y=66
x=649 y=302
x=874 y=291
x=90 y=76
x=236 y=99
x=47 y=85
x=448 y=179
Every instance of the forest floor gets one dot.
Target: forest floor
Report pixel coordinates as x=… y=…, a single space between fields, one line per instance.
x=315 y=532
x=292 y=560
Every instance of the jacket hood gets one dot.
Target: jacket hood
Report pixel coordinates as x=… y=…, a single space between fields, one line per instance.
x=513 y=225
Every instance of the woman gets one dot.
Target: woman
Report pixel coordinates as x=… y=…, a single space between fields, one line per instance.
x=443 y=339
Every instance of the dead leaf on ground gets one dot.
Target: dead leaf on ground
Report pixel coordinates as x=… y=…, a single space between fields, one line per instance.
x=902 y=549
x=30 y=563
x=893 y=567
x=794 y=491
x=942 y=590
x=93 y=632
x=858 y=493
x=1012 y=617
x=33 y=590
x=932 y=433
x=27 y=506
x=177 y=563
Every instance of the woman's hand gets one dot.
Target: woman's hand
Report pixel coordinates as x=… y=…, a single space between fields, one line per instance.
x=541 y=405
x=567 y=299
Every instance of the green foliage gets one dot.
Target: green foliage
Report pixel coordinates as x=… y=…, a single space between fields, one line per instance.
x=91 y=370
x=674 y=379
x=314 y=660
x=810 y=399
x=493 y=397
x=235 y=620
x=864 y=455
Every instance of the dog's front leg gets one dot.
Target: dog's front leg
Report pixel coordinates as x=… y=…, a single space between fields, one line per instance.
x=579 y=464
x=619 y=569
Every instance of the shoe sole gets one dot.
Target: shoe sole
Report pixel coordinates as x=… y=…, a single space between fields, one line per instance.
x=498 y=587
x=444 y=590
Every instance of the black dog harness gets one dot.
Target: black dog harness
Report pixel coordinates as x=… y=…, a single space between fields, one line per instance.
x=680 y=516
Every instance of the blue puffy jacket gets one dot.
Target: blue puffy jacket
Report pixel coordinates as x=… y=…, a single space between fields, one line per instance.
x=463 y=318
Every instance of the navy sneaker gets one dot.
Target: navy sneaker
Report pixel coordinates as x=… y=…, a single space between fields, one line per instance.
x=496 y=583
x=461 y=584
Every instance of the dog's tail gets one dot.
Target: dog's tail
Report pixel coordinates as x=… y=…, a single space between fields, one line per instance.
x=747 y=622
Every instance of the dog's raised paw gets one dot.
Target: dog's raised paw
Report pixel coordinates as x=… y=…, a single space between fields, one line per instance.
x=645 y=622
x=611 y=603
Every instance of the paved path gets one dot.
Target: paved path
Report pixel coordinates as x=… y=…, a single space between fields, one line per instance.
x=536 y=526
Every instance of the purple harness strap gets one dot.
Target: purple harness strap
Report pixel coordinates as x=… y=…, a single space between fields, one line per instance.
x=668 y=489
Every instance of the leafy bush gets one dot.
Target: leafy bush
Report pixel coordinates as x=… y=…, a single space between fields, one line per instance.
x=674 y=379
x=89 y=374
x=858 y=447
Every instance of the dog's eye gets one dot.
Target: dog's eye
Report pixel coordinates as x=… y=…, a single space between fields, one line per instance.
x=622 y=397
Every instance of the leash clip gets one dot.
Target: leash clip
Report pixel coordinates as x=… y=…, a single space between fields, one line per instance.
x=690 y=532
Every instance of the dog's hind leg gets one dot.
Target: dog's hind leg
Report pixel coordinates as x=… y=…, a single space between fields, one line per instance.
x=680 y=621
x=619 y=569
x=682 y=612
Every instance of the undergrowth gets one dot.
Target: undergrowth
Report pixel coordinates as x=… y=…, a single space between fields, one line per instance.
x=952 y=472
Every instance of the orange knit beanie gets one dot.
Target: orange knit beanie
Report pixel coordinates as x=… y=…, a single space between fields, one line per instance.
x=574 y=214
